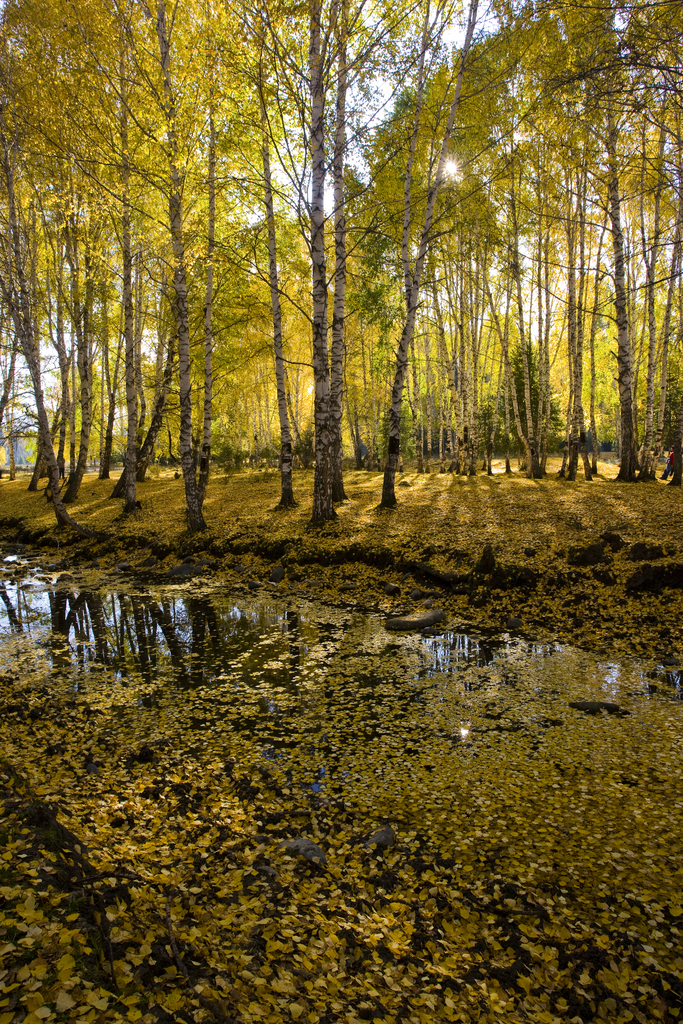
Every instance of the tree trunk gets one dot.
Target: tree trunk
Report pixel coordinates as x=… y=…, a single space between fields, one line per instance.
x=72 y=407
x=286 y=488
x=323 y=507
x=111 y=386
x=205 y=459
x=648 y=463
x=666 y=327
x=81 y=312
x=593 y=329
x=677 y=475
x=508 y=467
x=627 y=467
x=128 y=317
x=138 y=290
x=175 y=210
x=339 y=303
x=8 y=382
x=429 y=404
x=533 y=464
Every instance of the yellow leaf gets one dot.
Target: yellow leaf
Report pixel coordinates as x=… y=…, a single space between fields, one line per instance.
x=66 y=961
x=295 y=1010
x=43 y=1011
x=5 y=1018
x=676 y=911
x=64 y=1002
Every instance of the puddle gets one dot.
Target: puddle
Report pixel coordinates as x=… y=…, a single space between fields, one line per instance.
x=307 y=688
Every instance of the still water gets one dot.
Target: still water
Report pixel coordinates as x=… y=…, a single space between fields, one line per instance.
x=290 y=673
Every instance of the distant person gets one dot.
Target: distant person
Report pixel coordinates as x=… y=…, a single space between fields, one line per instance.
x=669 y=468
x=60 y=463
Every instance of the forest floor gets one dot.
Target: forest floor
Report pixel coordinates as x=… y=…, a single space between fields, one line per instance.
x=488 y=847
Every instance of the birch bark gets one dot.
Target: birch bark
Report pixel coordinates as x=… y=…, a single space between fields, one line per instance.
x=128 y=312
x=286 y=486
x=112 y=384
x=674 y=272
x=175 y=209
x=80 y=314
x=323 y=507
x=533 y=464
x=339 y=302
x=627 y=467
x=205 y=458
x=650 y=259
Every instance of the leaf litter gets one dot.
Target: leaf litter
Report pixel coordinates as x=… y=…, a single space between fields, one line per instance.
x=533 y=873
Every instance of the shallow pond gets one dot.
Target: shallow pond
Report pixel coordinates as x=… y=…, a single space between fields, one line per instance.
x=186 y=732
x=309 y=689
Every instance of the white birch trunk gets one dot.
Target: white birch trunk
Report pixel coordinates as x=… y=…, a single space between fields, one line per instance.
x=286 y=487
x=205 y=457
x=323 y=507
x=339 y=303
x=627 y=467
x=175 y=209
x=131 y=362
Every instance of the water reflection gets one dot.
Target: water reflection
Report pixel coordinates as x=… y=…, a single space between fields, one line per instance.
x=196 y=640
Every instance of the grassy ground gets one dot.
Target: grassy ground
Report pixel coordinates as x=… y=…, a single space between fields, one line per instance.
x=441 y=520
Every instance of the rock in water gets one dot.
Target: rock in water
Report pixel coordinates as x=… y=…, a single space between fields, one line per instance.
x=392 y=589
x=149 y=562
x=277 y=575
x=408 y=624
x=514 y=622
x=254 y=585
x=415 y=594
x=305 y=848
x=383 y=839
x=181 y=570
x=428 y=603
